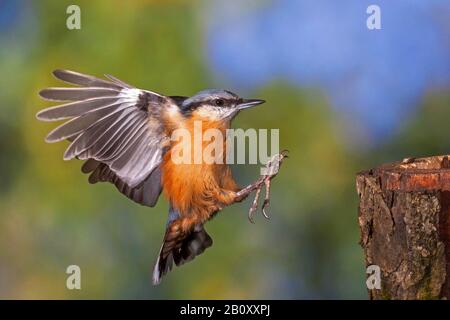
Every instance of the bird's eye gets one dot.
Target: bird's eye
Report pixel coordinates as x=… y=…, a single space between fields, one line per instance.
x=219 y=102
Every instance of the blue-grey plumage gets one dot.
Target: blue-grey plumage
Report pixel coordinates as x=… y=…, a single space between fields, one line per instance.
x=210 y=94
x=217 y=103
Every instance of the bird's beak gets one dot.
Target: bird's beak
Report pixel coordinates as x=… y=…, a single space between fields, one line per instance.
x=248 y=103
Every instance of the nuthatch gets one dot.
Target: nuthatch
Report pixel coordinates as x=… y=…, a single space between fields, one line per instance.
x=123 y=134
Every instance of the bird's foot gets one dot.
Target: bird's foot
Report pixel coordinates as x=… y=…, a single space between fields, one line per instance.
x=267 y=174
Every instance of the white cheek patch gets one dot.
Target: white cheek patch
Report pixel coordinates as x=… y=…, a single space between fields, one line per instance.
x=214 y=113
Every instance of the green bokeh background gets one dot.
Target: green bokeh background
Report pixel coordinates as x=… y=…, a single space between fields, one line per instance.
x=50 y=217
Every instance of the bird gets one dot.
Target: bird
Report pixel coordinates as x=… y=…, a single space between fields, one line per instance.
x=123 y=135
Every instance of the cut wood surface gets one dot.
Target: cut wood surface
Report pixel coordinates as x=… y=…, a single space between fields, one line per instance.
x=405 y=227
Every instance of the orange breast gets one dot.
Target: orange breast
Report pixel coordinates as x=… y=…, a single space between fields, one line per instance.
x=192 y=188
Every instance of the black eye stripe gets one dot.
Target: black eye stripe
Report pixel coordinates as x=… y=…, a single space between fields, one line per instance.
x=225 y=102
x=188 y=109
x=211 y=102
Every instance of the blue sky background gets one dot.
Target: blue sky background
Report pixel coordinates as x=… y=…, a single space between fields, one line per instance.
x=373 y=78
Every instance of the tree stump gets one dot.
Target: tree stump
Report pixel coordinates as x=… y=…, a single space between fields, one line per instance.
x=405 y=227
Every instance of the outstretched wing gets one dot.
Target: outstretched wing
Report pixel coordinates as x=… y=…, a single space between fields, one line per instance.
x=115 y=127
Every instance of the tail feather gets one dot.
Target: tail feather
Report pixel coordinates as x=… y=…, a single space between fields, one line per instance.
x=194 y=245
x=179 y=247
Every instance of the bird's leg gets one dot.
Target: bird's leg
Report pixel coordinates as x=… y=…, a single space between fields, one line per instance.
x=254 y=205
x=266 y=199
x=270 y=171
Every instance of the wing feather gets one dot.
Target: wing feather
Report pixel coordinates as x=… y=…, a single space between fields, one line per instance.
x=74 y=109
x=77 y=94
x=89 y=137
x=83 y=122
x=108 y=124
x=84 y=80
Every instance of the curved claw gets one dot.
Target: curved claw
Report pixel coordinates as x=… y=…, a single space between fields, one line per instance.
x=264 y=206
x=251 y=212
x=250 y=216
x=266 y=198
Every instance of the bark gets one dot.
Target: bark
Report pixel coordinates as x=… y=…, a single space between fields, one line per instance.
x=405 y=227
